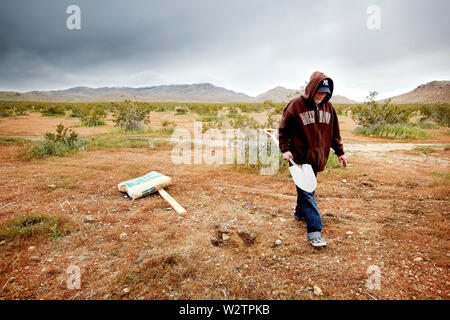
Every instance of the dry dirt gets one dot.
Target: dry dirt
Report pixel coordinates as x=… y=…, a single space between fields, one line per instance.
x=390 y=214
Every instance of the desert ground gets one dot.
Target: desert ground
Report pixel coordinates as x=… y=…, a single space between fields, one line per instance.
x=385 y=217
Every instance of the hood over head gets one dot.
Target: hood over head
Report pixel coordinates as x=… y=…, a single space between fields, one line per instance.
x=317 y=80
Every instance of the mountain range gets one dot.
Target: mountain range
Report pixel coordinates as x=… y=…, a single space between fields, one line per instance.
x=432 y=92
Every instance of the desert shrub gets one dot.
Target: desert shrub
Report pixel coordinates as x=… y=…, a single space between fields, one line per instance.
x=271 y=122
x=6 y=110
x=277 y=108
x=332 y=161
x=160 y=108
x=341 y=109
x=20 y=109
x=218 y=123
x=53 y=110
x=64 y=141
x=206 y=109
x=91 y=115
x=181 y=110
x=232 y=111
x=439 y=113
x=424 y=124
x=242 y=121
x=168 y=126
x=76 y=111
x=251 y=107
x=131 y=115
x=371 y=113
x=394 y=131
x=208 y=118
x=254 y=165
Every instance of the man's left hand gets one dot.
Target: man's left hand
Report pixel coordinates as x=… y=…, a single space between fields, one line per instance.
x=343 y=160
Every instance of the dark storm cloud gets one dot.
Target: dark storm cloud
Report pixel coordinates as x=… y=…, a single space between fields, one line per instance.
x=249 y=46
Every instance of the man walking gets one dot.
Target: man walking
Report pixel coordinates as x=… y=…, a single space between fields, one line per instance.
x=309 y=127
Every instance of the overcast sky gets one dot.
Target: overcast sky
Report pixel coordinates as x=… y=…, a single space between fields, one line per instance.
x=248 y=46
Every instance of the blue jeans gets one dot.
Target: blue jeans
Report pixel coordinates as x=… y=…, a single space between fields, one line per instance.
x=307 y=208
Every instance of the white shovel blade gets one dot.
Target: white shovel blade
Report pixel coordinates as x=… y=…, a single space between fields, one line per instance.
x=304 y=177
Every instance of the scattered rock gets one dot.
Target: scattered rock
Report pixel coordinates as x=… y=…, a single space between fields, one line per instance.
x=278 y=242
x=125 y=291
x=2 y=242
x=35 y=258
x=89 y=219
x=349 y=233
x=31 y=248
x=248 y=205
x=168 y=209
x=367 y=184
x=123 y=236
x=247 y=237
x=344 y=181
x=221 y=234
x=317 y=291
x=51 y=186
x=418 y=259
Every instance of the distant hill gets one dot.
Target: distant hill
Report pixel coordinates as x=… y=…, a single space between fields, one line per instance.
x=281 y=94
x=200 y=92
x=431 y=92
x=278 y=94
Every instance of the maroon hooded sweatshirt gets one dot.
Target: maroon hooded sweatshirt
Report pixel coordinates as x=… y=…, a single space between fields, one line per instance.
x=308 y=131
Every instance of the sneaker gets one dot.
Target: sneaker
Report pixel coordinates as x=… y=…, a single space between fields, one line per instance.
x=315 y=238
x=318 y=242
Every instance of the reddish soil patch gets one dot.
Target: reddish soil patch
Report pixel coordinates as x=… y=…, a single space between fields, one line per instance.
x=398 y=218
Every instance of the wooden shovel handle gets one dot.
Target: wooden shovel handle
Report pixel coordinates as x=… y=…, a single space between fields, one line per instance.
x=175 y=205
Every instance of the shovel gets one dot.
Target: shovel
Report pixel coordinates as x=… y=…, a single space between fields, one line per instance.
x=303 y=175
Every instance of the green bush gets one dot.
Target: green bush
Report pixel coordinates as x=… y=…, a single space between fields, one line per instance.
x=439 y=113
x=53 y=110
x=6 y=110
x=90 y=115
x=65 y=141
x=424 y=124
x=371 y=113
x=76 y=110
x=243 y=121
x=180 y=110
x=168 y=126
x=206 y=109
x=206 y=118
x=341 y=109
x=332 y=161
x=20 y=109
x=394 y=131
x=131 y=115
